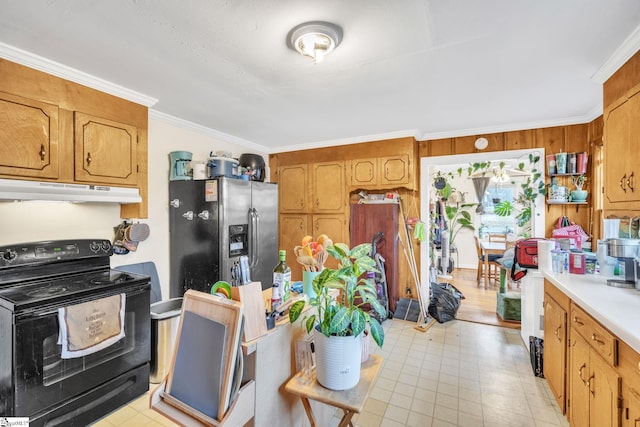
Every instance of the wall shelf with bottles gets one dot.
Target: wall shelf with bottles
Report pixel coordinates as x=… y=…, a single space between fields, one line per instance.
x=567 y=170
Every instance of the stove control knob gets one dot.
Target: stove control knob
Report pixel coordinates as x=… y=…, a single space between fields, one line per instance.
x=105 y=246
x=9 y=255
x=94 y=246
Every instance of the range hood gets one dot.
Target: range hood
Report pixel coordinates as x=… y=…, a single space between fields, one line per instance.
x=11 y=189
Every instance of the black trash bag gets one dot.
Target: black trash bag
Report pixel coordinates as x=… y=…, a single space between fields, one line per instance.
x=445 y=301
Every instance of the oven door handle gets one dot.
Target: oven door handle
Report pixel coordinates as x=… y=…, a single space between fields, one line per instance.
x=47 y=311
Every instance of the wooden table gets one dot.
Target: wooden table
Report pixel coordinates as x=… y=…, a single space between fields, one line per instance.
x=350 y=401
x=490 y=248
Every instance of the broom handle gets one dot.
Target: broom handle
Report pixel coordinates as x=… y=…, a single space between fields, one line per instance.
x=412 y=263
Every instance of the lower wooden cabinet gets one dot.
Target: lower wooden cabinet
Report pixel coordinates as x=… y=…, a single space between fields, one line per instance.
x=594 y=386
x=555 y=348
x=629 y=369
x=292 y=228
x=556 y=309
x=630 y=416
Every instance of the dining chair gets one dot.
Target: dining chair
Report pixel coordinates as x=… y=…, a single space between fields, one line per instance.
x=497 y=237
x=493 y=267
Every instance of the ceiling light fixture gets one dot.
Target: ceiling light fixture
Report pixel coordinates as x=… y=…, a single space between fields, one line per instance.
x=314 y=39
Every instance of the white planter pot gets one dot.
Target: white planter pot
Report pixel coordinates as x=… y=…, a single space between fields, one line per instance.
x=338 y=361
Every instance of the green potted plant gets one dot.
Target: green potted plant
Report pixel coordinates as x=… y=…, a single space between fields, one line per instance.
x=456 y=212
x=578 y=195
x=337 y=316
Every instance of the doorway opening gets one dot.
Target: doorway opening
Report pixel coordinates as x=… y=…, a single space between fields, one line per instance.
x=466 y=255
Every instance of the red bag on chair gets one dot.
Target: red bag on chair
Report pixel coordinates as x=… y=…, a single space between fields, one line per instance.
x=525 y=256
x=526 y=252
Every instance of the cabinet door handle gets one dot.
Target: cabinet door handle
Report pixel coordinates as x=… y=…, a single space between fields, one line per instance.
x=584 y=365
x=89 y=159
x=557 y=333
x=43 y=152
x=578 y=321
x=594 y=337
x=590 y=382
x=630 y=182
x=623 y=182
x=302 y=202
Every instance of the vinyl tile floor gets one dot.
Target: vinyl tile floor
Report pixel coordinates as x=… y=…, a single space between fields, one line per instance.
x=454 y=374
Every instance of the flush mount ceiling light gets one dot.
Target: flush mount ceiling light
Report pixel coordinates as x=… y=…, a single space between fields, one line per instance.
x=314 y=39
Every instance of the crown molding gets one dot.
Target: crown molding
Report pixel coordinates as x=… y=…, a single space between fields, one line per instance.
x=621 y=55
x=346 y=141
x=586 y=118
x=59 y=70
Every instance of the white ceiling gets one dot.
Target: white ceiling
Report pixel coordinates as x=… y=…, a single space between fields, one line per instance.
x=427 y=68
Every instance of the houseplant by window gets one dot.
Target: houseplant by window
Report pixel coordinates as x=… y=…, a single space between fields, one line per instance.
x=340 y=318
x=457 y=215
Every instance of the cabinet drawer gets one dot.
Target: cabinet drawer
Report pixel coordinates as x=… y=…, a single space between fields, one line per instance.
x=598 y=337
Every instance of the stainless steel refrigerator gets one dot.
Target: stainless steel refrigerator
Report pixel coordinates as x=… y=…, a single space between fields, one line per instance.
x=215 y=222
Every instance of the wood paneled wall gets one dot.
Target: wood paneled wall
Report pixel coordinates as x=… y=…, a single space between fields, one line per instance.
x=571 y=138
x=618 y=85
x=622 y=80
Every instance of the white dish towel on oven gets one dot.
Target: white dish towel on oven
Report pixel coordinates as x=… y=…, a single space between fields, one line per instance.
x=91 y=326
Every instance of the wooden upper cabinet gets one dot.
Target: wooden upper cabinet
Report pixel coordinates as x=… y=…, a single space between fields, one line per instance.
x=293 y=188
x=105 y=151
x=396 y=170
x=622 y=135
x=328 y=187
x=28 y=137
x=385 y=172
x=364 y=172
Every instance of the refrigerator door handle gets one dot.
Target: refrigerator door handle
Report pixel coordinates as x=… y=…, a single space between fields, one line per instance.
x=255 y=224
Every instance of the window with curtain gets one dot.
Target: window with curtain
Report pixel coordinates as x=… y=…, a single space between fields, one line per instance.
x=489 y=221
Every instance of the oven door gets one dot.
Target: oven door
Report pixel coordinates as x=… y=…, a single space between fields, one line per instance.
x=43 y=380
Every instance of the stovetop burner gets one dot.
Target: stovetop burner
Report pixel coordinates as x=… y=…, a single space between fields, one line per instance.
x=59 y=272
x=46 y=292
x=66 y=288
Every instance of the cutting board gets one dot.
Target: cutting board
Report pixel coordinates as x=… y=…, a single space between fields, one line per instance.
x=217 y=323
x=250 y=295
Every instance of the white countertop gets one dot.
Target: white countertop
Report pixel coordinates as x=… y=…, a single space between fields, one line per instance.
x=616 y=309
